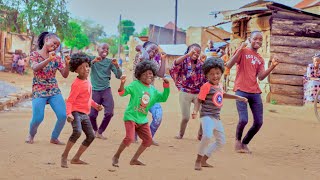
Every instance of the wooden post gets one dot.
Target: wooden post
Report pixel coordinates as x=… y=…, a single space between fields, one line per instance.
x=2 y=46
x=175 y=23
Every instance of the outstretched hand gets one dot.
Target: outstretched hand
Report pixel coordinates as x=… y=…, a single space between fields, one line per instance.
x=163 y=56
x=244 y=44
x=275 y=61
x=192 y=52
x=165 y=80
x=70 y=118
x=52 y=55
x=67 y=59
x=194 y=115
x=243 y=99
x=97 y=59
x=99 y=107
x=123 y=79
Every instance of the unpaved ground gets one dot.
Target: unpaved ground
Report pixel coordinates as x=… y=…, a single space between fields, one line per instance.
x=287 y=147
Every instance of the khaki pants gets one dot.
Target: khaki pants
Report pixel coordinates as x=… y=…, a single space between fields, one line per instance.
x=185 y=100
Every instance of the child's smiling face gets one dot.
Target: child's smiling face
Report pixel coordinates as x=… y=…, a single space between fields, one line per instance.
x=196 y=55
x=52 y=43
x=256 y=41
x=103 y=50
x=152 y=50
x=214 y=76
x=147 y=77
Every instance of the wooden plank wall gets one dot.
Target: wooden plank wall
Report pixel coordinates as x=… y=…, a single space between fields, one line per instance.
x=294 y=40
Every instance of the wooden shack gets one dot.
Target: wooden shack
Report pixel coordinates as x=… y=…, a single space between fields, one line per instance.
x=10 y=42
x=290 y=34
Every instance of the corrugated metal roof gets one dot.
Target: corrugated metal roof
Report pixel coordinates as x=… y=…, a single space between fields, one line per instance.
x=174 y=49
x=307 y=3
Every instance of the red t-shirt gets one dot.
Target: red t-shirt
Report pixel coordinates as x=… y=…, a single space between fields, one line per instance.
x=80 y=98
x=249 y=65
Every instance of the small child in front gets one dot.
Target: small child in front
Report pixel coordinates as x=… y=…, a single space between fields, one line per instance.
x=143 y=97
x=211 y=97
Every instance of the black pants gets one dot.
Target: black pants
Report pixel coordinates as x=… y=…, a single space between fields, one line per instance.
x=81 y=123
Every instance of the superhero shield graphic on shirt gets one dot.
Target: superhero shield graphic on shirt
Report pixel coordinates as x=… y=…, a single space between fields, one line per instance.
x=217 y=99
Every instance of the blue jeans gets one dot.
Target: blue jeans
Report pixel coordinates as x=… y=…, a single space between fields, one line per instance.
x=256 y=106
x=156 y=111
x=59 y=107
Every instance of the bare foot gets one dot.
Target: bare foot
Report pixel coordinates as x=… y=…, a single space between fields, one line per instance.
x=57 y=142
x=136 y=162
x=29 y=140
x=178 y=136
x=197 y=166
x=205 y=164
x=155 y=143
x=64 y=163
x=78 y=161
x=115 y=161
x=245 y=149
x=238 y=147
x=100 y=136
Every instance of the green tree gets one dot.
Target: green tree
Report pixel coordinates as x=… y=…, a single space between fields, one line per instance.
x=126 y=28
x=10 y=20
x=92 y=30
x=42 y=15
x=76 y=39
x=144 y=32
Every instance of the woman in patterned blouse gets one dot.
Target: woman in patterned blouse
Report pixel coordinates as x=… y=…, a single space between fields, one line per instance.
x=45 y=90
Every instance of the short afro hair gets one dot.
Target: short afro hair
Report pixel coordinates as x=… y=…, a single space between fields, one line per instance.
x=77 y=59
x=212 y=62
x=144 y=66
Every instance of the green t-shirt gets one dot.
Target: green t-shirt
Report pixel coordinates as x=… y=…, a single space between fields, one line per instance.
x=141 y=100
x=101 y=74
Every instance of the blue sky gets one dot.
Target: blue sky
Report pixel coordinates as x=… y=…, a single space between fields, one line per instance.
x=158 y=12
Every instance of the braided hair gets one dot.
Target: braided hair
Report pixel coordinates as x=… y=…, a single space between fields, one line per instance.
x=42 y=37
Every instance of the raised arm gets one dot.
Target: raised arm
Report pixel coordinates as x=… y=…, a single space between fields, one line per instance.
x=182 y=58
x=116 y=69
x=38 y=66
x=65 y=71
x=236 y=56
x=162 y=69
x=264 y=73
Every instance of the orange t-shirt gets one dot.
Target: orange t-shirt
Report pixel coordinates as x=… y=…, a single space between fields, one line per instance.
x=225 y=58
x=249 y=65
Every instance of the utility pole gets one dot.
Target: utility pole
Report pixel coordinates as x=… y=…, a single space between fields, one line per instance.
x=175 y=23
x=119 y=43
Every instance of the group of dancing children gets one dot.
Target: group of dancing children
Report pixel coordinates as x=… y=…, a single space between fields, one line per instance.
x=197 y=78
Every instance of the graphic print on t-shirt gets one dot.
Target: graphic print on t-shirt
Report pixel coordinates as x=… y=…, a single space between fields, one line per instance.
x=217 y=99
x=253 y=59
x=144 y=101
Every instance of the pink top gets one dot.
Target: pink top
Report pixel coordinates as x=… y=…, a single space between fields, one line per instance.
x=21 y=62
x=80 y=98
x=249 y=65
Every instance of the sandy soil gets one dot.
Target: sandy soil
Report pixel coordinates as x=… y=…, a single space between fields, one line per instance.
x=287 y=146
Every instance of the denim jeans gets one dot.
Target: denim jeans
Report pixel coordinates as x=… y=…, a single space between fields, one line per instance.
x=256 y=106
x=59 y=107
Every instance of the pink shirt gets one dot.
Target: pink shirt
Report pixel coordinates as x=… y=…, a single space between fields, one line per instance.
x=21 y=62
x=249 y=65
x=80 y=98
